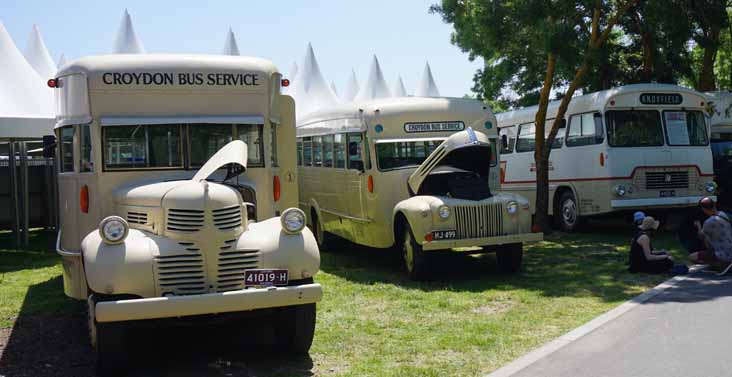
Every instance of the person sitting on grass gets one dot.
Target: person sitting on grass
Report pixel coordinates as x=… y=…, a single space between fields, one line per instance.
x=716 y=234
x=642 y=257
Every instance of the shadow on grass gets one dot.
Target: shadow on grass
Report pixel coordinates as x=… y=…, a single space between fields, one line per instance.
x=49 y=338
x=580 y=264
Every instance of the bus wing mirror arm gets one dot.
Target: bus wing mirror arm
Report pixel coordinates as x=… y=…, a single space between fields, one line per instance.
x=504 y=142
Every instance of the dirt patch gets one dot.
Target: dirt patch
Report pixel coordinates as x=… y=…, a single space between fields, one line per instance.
x=494 y=307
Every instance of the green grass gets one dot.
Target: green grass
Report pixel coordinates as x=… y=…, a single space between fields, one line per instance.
x=373 y=321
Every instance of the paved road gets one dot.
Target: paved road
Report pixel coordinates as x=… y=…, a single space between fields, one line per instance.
x=684 y=331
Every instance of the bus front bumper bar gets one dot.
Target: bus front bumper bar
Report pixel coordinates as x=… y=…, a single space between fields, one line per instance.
x=209 y=303
x=487 y=241
x=681 y=201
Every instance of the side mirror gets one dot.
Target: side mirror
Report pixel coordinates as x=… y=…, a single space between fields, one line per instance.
x=49 y=146
x=504 y=142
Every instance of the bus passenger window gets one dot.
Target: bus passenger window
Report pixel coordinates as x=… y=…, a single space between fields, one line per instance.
x=307 y=151
x=317 y=151
x=207 y=139
x=251 y=135
x=355 y=161
x=340 y=151
x=136 y=147
x=86 y=162
x=299 y=152
x=66 y=150
x=510 y=138
x=585 y=129
x=328 y=151
x=526 y=139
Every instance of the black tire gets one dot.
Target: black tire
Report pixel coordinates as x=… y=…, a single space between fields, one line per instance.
x=566 y=214
x=294 y=328
x=416 y=261
x=509 y=258
x=109 y=341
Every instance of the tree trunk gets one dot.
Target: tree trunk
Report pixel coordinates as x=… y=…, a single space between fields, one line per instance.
x=541 y=159
x=707 y=82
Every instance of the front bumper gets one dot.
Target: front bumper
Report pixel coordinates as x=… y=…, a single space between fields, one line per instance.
x=210 y=303
x=487 y=241
x=682 y=201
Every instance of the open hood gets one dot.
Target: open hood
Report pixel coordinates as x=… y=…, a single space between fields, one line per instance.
x=465 y=150
x=233 y=153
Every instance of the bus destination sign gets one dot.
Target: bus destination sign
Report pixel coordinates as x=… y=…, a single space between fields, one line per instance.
x=434 y=127
x=661 y=98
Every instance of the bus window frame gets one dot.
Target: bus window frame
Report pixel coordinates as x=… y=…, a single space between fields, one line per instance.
x=665 y=128
x=189 y=141
x=81 y=148
x=327 y=140
x=184 y=158
x=61 y=149
x=298 y=150
x=309 y=141
x=599 y=137
x=511 y=144
x=349 y=135
x=344 y=147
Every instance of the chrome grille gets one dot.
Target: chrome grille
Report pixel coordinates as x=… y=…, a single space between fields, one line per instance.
x=228 y=217
x=232 y=264
x=137 y=218
x=479 y=221
x=181 y=274
x=185 y=220
x=667 y=180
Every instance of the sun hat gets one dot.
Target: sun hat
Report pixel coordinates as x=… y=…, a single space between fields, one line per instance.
x=638 y=216
x=649 y=223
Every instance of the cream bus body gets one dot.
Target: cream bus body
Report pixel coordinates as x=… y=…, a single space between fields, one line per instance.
x=637 y=147
x=365 y=168
x=132 y=133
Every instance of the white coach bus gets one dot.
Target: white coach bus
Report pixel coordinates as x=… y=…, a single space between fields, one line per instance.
x=416 y=173
x=178 y=196
x=636 y=147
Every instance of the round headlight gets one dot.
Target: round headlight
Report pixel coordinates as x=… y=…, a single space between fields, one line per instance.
x=512 y=207
x=619 y=190
x=444 y=212
x=711 y=187
x=293 y=220
x=113 y=229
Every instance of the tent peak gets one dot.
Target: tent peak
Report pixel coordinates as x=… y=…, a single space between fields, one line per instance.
x=375 y=86
x=127 y=41
x=38 y=56
x=230 y=45
x=427 y=86
x=398 y=89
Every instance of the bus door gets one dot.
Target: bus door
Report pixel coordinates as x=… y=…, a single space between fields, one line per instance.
x=584 y=159
x=354 y=182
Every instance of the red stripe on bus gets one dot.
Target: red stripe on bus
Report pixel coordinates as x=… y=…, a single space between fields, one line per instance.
x=613 y=178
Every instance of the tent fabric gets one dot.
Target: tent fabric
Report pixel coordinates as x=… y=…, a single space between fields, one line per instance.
x=399 y=90
x=61 y=61
x=309 y=88
x=293 y=71
x=38 y=57
x=375 y=86
x=333 y=88
x=230 y=45
x=351 y=90
x=127 y=41
x=427 y=87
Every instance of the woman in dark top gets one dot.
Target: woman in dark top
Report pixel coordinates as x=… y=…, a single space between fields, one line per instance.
x=642 y=257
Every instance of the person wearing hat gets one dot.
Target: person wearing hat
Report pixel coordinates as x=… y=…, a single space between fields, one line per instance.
x=642 y=257
x=716 y=234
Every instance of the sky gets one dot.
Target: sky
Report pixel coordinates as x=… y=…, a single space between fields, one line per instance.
x=344 y=34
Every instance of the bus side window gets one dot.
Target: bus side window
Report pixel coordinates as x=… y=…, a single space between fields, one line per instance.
x=339 y=148
x=508 y=137
x=307 y=151
x=66 y=149
x=86 y=161
x=585 y=129
x=355 y=160
x=328 y=151
x=299 y=151
x=526 y=138
x=317 y=151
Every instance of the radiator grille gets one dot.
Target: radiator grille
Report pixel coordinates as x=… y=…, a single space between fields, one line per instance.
x=479 y=221
x=228 y=217
x=181 y=274
x=667 y=180
x=137 y=218
x=232 y=264
x=185 y=220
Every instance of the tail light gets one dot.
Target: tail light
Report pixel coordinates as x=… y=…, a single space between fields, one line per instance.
x=84 y=199
x=276 y=188
x=371 y=184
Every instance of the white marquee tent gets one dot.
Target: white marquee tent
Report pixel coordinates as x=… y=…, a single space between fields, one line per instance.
x=398 y=89
x=427 y=87
x=375 y=86
x=352 y=88
x=309 y=88
x=335 y=91
x=38 y=57
x=61 y=61
x=127 y=41
x=230 y=45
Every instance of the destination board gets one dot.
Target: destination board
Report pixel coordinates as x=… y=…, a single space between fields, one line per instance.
x=433 y=127
x=661 y=99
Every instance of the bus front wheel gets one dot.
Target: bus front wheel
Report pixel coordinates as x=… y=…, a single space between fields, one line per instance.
x=322 y=237
x=295 y=328
x=415 y=259
x=109 y=342
x=567 y=212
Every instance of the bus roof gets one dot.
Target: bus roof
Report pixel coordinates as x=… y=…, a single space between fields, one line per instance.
x=434 y=108
x=596 y=101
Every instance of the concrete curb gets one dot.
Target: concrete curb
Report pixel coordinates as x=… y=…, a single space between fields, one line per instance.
x=555 y=345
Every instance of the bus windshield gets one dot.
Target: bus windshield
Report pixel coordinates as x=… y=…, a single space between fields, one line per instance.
x=403 y=154
x=685 y=128
x=634 y=128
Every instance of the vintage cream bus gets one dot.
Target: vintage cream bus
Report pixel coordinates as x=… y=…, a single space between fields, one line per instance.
x=636 y=147
x=720 y=112
x=178 y=195
x=415 y=173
